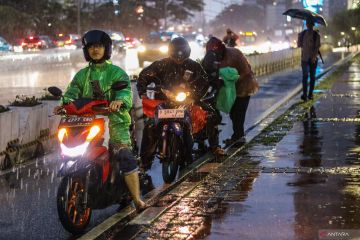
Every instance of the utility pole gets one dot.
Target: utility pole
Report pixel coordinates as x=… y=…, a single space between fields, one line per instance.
x=78 y=17
x=165 y=15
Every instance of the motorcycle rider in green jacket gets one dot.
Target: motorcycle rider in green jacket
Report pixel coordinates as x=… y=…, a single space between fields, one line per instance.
x=93 y=81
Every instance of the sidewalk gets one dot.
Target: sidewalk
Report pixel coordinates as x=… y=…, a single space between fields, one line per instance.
x=299 y=180
x=287 y=205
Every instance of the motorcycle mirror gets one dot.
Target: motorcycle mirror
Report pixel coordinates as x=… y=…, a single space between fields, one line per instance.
x=117 y=86
x=55 y=91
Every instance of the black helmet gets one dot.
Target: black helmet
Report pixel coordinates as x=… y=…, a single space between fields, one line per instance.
x=96 y=37
x=179 y=49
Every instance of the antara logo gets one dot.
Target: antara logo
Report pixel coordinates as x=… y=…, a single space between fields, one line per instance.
x=333 y=234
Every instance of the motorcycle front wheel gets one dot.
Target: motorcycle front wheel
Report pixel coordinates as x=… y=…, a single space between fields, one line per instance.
x=72 y=214
x=171 y=162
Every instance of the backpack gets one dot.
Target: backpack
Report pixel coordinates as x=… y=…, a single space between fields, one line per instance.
x=301 y=37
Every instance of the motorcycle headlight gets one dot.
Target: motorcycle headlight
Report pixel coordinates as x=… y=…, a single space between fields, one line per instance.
x=75 y=151
x=94 y=130
x=61 y=134
x=141 y=49
x=180 y=97
x=164 y=49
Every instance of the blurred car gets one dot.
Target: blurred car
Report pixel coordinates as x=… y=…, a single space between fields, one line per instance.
x=132 y=42
x=47 y=42
x=34 y=42
x=197 y=44
x=118 y=40
x=5 y=46
x=195 y=39
x=69 y=41
x=154 y=47
x=17 y=44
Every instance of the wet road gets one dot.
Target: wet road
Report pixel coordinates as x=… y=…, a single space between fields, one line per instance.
x=28 y=193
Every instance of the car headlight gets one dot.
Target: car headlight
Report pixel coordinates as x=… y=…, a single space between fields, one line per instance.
x=141 y=49
x=164 y=49
x=180 y=97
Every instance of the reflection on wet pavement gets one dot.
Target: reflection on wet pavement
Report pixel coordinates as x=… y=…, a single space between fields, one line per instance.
x=297 y=206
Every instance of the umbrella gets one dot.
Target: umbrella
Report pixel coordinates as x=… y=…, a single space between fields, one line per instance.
x=305 y=14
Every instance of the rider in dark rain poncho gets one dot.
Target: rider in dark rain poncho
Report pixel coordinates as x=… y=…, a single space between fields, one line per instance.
x=170 y=72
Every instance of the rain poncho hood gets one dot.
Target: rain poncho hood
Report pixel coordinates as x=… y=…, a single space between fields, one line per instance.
x=227 y=93
x=106 y=74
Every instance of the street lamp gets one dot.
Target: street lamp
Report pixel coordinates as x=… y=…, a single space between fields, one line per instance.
x=342 y=33
x=353 y=28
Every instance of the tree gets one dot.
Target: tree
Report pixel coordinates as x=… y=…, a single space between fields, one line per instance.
x=238 y=18
x=50 y=17
x=14 y=23
x=174 y=10
x=38 y=16
x=347 y=22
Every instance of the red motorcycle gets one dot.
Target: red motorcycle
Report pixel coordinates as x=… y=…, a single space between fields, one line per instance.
x=89 y=179
x=171 y=117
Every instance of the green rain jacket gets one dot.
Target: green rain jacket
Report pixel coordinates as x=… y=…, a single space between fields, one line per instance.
x=106 y=73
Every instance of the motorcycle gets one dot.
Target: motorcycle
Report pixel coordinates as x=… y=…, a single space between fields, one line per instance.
x=172 y=117
x=89 y=179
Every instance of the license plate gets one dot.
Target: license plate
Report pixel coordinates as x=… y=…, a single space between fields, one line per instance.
x=76 y=120
x=171 y=113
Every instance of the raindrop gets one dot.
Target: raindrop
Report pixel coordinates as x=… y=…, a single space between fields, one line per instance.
x=29 y=172
x=48 y=193
x=36 y=163
x=39 y=194
x=26 y=187
x=21 y=183
x=52 y=177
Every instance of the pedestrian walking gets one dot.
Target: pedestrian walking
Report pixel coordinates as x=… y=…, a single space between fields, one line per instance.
x=309 y=41
x=230 y=38
x=246 y=85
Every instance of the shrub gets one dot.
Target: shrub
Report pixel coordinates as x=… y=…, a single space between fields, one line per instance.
x=3 y=109
x=24 y=101
x=48 y=96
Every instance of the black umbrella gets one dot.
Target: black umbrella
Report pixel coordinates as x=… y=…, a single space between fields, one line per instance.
x=305 y=14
